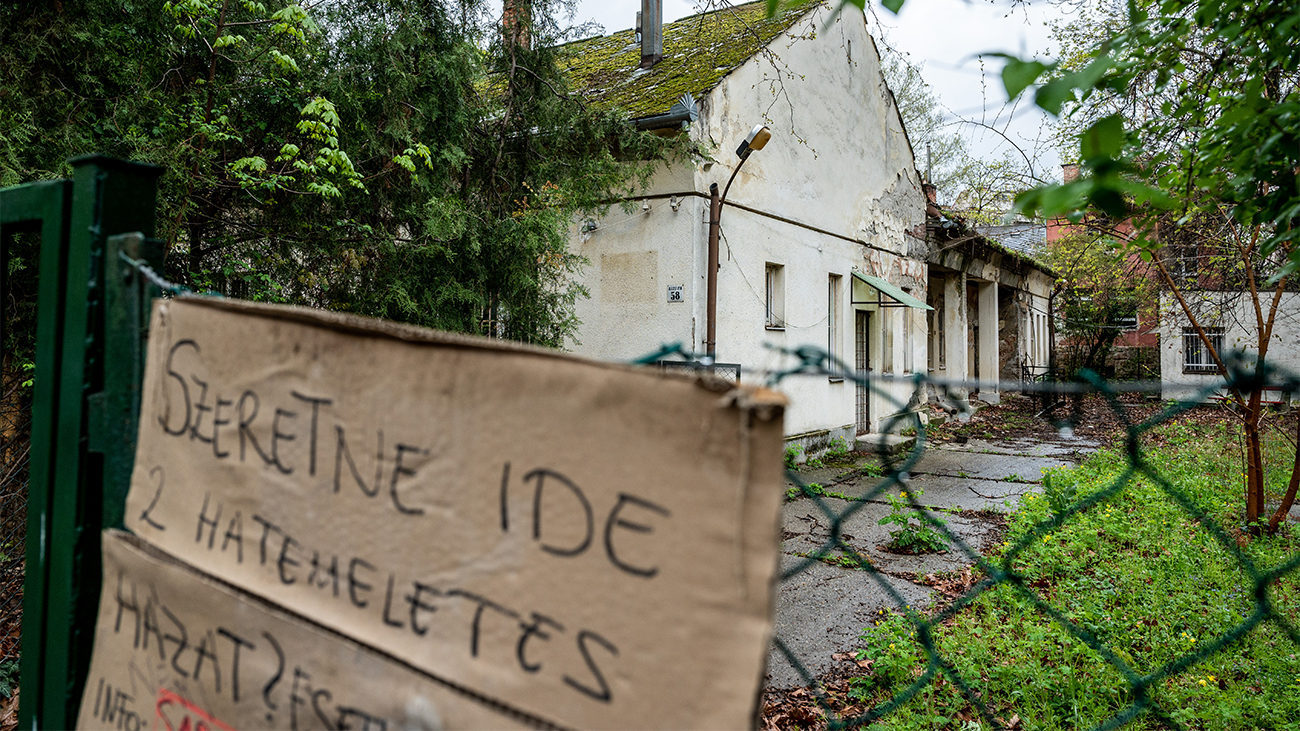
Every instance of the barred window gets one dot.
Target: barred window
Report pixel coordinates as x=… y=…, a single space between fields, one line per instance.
x=1196 y=357
x=833 y=321
x=775 y=277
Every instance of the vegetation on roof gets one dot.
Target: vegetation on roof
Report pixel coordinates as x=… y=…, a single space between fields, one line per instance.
x=960 y=229
x=698 y=52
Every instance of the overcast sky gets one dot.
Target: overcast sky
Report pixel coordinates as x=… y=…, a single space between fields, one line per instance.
x=945 y=38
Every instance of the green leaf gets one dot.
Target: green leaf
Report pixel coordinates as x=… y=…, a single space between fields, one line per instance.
x=1105 y=138
x=892 y=5
x=1108 y=199
x=1054 y=94
x=1093 y=73
x=1018 y=74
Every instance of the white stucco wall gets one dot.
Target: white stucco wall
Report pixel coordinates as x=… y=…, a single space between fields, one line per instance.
x=834 y=192
x=839 y=158
x=1234 y=312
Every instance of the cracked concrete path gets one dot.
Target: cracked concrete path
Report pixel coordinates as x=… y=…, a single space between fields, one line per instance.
x=984 y=465
x=822 y=609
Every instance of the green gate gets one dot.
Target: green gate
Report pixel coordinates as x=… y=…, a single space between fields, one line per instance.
x=91 y=311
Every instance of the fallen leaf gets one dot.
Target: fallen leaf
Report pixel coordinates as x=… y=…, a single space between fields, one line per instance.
x=9 y=712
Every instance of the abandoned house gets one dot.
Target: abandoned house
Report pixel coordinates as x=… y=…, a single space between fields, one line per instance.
x=820 y=236
x=991 y=305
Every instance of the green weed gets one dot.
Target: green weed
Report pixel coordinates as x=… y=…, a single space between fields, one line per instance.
x=894 y=655
x=841 y=560
x=792 y=453
x=814 y=488
x=838 y=451
x=1138 y=572
x=913 y=534
x=8 y=677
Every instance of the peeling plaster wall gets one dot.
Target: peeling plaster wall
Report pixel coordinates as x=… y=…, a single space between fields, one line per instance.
x=1011 y=314
x=835 y=191
x=1022 y=290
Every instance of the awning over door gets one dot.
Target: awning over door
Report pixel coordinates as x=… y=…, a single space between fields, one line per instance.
x=866 y=282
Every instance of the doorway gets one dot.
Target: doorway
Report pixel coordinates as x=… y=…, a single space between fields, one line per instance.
x=861 y=365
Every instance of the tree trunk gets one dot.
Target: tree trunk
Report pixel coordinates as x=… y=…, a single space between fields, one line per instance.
x=1289 y=499
x=1254 y=465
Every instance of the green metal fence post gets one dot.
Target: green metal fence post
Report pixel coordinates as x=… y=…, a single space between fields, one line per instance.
x=45 y=207
x=76 y=491
x=115 y=410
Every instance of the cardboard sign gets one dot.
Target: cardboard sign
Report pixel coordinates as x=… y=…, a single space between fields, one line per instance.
x=176 y=650
x=589 y=544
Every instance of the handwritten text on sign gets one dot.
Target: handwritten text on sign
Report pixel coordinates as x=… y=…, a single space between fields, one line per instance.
x=574 y=540
x=177 y=652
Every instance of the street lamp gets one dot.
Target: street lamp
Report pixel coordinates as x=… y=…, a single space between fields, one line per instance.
x=756 y=140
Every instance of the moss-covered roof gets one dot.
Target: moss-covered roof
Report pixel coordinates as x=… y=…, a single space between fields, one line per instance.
x=698 y=52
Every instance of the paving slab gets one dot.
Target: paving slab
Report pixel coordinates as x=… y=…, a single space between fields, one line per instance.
x=1063 y=447
x=946 y=492
x=887 y=443
x=965 y=493
x=807 y=530
x=989 y=466
x=822 y=611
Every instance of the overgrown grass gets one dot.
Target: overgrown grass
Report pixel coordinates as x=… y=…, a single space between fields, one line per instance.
x=1148 y=580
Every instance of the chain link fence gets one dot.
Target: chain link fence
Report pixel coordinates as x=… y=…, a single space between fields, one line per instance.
x=1267 y=590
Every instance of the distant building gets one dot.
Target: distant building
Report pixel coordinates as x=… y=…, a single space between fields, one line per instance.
x=1135 y=353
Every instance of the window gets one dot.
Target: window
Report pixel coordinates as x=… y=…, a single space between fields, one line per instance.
x=907 y=339
x=1196 y=357
x=1125 y=320
x=1037 y=340
x=939 y=346
x=775 y=277
x=1186 y=263
x=833 y=323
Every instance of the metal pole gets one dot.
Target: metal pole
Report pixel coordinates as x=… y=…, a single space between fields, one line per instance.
x=711 y=328
x=715 y=227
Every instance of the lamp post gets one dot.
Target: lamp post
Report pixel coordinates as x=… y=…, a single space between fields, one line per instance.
x=756 y=140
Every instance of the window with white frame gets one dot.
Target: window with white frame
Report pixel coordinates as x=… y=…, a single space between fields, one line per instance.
x=1196 y=357
x=907 y=340
x=930 y=350
x=940 y=345
x=775 y=278
x=833 y=336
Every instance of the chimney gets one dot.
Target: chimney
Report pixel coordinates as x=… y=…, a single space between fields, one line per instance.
x=931 y=200
x=650 y=26
x=1069 y=172
x=516 y=21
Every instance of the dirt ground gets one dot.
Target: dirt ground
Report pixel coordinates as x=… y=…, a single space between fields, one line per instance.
x=1090 y=416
